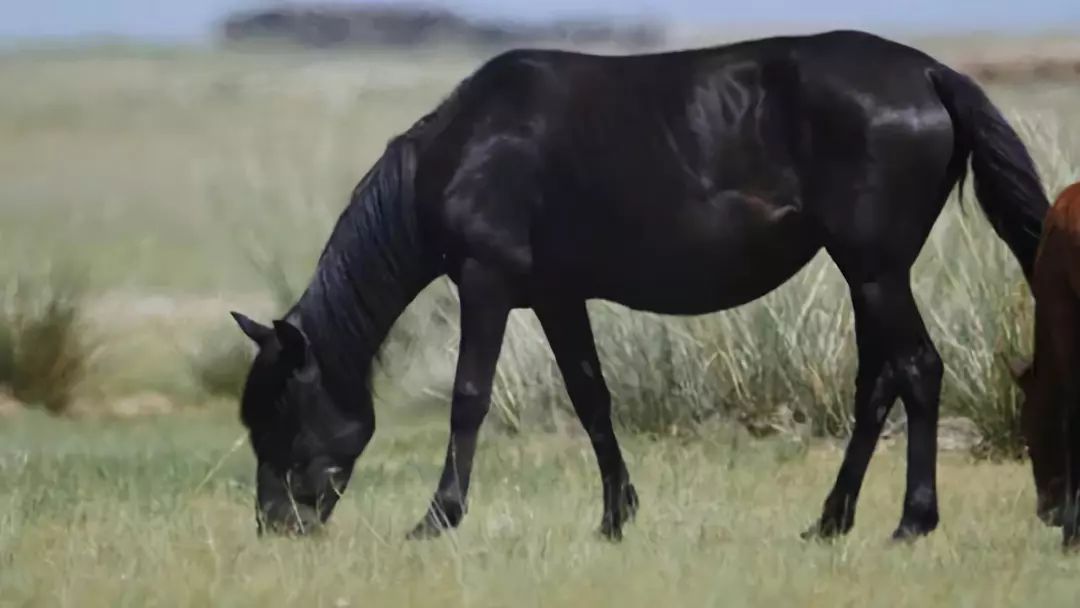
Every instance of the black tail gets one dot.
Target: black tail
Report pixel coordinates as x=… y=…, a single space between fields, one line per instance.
x=1006 y=182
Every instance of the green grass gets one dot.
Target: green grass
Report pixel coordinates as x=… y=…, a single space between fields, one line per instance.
x=159 y=512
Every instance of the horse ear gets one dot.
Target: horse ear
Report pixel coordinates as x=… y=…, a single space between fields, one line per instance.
x=294 y=344
x=258 y=332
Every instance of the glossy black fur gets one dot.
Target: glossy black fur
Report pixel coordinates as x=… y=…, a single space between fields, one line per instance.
x=679 y=183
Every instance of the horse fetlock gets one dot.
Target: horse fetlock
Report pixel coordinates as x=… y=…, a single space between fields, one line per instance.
x=448 y=510
x=618 y=512
x=1070 y=527
x=1070 y=539
x=917 y=521
x=921 y=504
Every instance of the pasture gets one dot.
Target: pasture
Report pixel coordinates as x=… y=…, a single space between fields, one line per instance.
x=155 y=512
x=180 y=184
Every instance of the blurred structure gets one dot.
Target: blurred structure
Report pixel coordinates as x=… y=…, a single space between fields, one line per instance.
x=329 y=26
x=1027 y=69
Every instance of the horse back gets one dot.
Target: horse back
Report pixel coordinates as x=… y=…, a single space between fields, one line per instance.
x=668 y=173
x=1057 y=267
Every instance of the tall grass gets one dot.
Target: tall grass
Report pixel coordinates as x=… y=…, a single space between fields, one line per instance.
x=45 y=351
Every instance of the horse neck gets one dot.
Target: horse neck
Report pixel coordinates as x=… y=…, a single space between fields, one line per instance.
x=372 y=267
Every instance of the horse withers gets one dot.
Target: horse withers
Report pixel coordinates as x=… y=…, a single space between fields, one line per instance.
x=1050 y=415
x=678 y=183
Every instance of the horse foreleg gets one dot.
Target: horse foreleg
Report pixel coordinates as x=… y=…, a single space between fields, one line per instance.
x=485 y=306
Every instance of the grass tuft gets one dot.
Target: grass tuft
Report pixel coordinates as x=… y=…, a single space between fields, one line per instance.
x=45 y=352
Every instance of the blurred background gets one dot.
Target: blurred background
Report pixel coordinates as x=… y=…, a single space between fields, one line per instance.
x=164 y=163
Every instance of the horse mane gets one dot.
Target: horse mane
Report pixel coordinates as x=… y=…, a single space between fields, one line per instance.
x=371 y=267
x=374 y=262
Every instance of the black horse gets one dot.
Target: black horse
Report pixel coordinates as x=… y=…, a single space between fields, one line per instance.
x=680 y=183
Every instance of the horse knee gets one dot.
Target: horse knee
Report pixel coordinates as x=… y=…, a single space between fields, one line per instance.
x=468 y=410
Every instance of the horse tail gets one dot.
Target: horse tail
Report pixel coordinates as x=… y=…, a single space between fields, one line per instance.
x=1006 y=181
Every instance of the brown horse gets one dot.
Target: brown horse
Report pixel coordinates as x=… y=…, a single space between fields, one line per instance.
x=1051 y=383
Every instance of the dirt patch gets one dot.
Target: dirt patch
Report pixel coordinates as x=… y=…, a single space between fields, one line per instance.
x=955 y=433
x=9 y=406
x=147 y=403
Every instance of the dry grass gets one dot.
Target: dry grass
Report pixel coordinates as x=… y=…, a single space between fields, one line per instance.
x=45 y=350
x=125 y=515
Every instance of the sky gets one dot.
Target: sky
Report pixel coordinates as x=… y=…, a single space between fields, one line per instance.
x=194 y=20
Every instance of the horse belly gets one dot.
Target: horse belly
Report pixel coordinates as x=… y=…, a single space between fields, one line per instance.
x=704 y=258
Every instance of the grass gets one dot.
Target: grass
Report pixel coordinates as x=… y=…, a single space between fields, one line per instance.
x=189 y=184
x=45 y=352
x=159 y=512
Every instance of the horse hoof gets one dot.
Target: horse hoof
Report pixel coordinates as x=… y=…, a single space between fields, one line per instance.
x=1070 y=540
x=624 y=512
x=908 y=534
x=610 y=532
x=824 y=531
x=815 y=533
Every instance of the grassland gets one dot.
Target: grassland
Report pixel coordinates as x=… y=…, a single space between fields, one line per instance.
x=176 y=182
x=149 y=512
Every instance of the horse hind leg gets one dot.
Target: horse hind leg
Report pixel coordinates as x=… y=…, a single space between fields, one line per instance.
x=896 y=358
x=567 y=327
